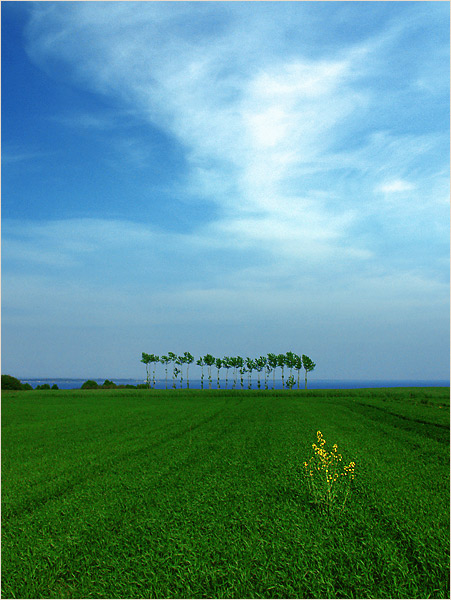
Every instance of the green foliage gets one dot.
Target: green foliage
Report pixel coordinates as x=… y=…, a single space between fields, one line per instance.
x=44 y=386
x=281 y=364
x=10 y=383
x=200 y=363
x=108 y=385
x=268 y=363
x=259 y=365
x=131 y=494
x=309 y=365
x=26 y=386
x=218 y=365
x=90 y=385
x=290 y=382
x=209 y=360
x=55 y=387
x=165 y=360
x=146 y=359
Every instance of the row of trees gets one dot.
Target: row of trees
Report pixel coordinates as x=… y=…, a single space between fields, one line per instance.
x=12 y=383
x=242 y=367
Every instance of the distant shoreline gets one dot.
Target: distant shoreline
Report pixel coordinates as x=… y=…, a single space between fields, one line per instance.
x=76 y=383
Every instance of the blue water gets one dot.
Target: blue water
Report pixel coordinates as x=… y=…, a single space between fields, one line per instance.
x=70 y=384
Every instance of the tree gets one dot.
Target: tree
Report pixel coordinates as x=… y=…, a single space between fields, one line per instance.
x=172 y=359
x=233 y=363
x=154 y=359
x=242 y=371
x=188 y=359
x=108 y=385
x=250 y=366
x=180 y=362
x=281 y=364
x=90 y=384
x=268 y=370
x=239 y=364
x=309 y=365
x=44 y=386
x=298 y=366
x=209 y=361
x=290 y=359
x=226 y=364
x=273 y=363
x=146 y=360
x=10 y=383
x=165 y=360
x=290 y=382
x=218 y=364
x=175 y=375
x=260 y=364
x=201 y=364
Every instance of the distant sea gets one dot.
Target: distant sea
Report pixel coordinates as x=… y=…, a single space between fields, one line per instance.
x=313 y=384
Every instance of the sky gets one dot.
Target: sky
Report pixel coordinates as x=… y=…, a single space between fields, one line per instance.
x=233 y=178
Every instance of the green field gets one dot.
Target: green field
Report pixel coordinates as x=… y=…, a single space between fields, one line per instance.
x=190 y=494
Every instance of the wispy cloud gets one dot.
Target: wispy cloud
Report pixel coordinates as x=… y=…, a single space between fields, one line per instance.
x=396 y=185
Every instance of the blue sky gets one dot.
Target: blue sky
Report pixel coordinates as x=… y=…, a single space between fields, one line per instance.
x=233 y=178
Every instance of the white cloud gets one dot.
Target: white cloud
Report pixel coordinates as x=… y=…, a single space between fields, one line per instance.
x=396 y=185
x=262 y=131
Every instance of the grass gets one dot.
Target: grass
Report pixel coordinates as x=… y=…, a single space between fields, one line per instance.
x=190 y=494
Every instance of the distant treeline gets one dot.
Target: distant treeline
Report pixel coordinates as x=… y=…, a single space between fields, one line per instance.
x=110 y=385
x=12 y=383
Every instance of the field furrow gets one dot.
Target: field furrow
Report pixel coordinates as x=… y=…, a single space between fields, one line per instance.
x=189 y=494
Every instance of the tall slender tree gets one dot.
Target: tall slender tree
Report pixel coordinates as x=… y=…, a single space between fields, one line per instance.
x=201 y=364
x=172 y=359
x=298 y=366
x=242 y=371
x=188 y=359
x=281 y=364
x=290 y=359
x=218 y=364
x=180 y=362
x=165 y=360
x=273 y=363
x=234 y=364
x=239 y=364
x=226 y=364
x=176 y=372
x=260 y=364
x=309 y=365
x=146 y=360
x=268 y=370
x=250 y=366
x=154 y=359
x=209 y=361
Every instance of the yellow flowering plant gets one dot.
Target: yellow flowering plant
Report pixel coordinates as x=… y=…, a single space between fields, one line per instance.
x=329 y=480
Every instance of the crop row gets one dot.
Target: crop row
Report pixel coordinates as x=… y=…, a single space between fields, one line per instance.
x=242 y=367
